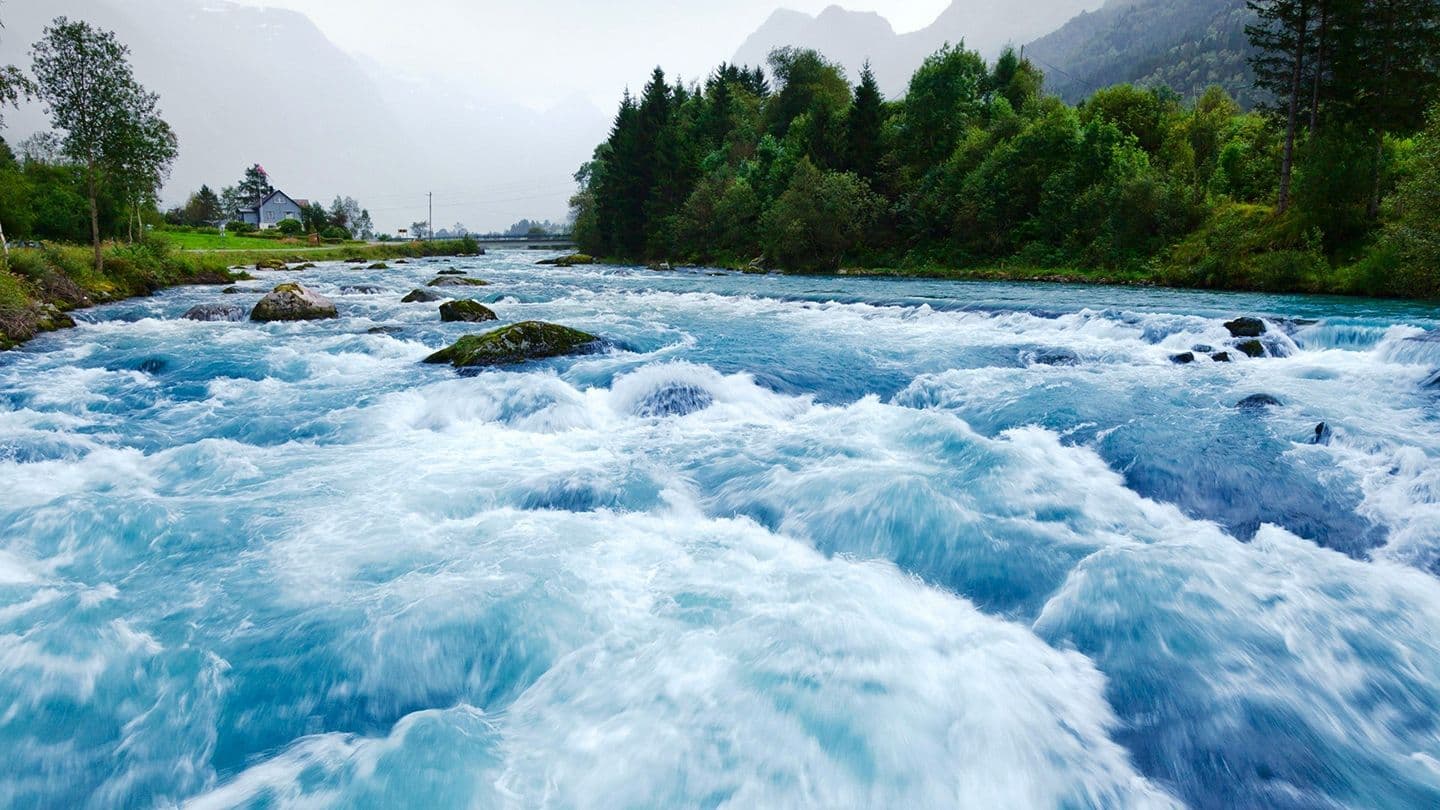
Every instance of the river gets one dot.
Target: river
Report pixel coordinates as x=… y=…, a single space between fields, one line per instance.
x=786 y=542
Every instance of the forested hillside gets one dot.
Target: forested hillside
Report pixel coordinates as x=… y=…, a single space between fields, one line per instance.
x=978 y=167
x=1186 y=45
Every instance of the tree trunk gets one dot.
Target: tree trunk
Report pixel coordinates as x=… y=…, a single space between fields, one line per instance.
x=94 y=194
x=1377 y=160
x=4 y=244
x=1287 y=160
x=1319 y=66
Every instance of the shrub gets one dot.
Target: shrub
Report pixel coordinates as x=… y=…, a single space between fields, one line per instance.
x=1248 y=247
x=818 y=218
x=290 y=227
x=241 y=228
x=335 y=232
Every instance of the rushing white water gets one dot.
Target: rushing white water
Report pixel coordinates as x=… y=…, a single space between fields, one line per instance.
x=788 y=542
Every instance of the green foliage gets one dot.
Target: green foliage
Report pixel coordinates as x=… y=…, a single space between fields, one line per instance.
x=1249 y=247
x=821 y=216
x=974 y=168
x=290 y=227
x=1412 y=237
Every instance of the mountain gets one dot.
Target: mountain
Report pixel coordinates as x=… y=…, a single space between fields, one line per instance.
x=851 y=37
x=243 y=85
x=1187 y=45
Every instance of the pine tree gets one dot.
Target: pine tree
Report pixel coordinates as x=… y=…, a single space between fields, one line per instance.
x=1282 y=40
x=862 y=130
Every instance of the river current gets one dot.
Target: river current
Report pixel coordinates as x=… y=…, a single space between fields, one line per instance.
x=785 y=542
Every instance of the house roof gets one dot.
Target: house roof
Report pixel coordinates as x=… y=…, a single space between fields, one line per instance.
x=272 y=195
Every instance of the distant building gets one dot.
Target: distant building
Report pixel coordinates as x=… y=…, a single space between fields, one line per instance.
x=274 y=209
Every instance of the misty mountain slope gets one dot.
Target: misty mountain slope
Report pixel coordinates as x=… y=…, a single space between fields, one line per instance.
x=1187 y=45
x=850 y=38
x=240 y=85
x=243 y=85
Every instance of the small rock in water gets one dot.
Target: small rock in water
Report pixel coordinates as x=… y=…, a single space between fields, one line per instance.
x=362 y=289
x=1258 y=402
x=354 y=260
x=239 y=290
x=1251 y=348
x=465 y=311
x=1246 y=327
x=1202 y=349
x=215 y=312
x=1056 y=357
x=528 y=340
x=674 y=400
x=1323 y=434
x=384 y=330
x=270 y=264
x=422 y=297
x=292 y=302
x=378 y=266
x=1221 y=357
x=154 y=365
x=1182 y=359
x=451 y=272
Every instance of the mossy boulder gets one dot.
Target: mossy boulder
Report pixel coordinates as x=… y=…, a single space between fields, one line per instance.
x=464 y=310
x=422 y=297
x=378 y=266
x=457 y=281
x=270 y=264
x=292 y=302
x=517 y=343
x=571 y=260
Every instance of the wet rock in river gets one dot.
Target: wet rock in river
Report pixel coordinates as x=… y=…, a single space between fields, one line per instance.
x=517 y=343
x=215 y=312
x=293 y=302
x=1258 y=402
x=1246 y=327
x=422 y=297
x=464 y=310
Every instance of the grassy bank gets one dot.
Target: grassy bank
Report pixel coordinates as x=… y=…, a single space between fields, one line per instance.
x=39 y=286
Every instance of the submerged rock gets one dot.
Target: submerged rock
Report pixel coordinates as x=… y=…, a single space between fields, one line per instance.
x=1246 y=327
x=1323 y=434
x=528 y=340
x=239 y=290
x=679 y=399
x=422 y=297
x=1055 y=357
x=1182 y=359
x=154 y=366
x=215 y=312
x=1221 y=357
x=1251 y=348
x=362 y=289
x=464 y=310
x=378 y=266
x=456 y=281
x=292 y=302
x=384 y=330
x=1258 y=402
x=451 y=272
x=1202 y=349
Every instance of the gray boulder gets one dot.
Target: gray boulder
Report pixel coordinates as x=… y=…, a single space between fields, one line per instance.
x=293 y=302
x=422 y=297
x=362 y=289
x=216 y=312
x=1246 y=327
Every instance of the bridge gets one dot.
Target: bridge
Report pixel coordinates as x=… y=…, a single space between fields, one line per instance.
x=527 y=242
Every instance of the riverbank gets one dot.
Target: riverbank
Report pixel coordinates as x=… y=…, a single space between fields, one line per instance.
x=39 y=287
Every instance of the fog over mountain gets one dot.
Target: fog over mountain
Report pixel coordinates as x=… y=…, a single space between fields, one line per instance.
x=243 y=85
x=851 y=37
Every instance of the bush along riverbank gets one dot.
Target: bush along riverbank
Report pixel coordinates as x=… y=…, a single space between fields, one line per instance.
x=38 y=287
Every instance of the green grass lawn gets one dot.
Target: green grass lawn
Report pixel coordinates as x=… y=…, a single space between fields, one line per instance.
x=210 y=241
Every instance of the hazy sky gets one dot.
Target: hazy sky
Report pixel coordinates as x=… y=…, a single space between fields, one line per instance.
x=542 y=51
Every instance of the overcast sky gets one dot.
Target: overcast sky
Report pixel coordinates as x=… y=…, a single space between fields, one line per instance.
x=541 y=51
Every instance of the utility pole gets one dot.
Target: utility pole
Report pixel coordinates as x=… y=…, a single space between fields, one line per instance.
x=430 y=230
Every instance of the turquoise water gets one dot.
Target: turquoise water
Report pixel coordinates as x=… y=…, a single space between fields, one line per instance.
x=788 y=542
